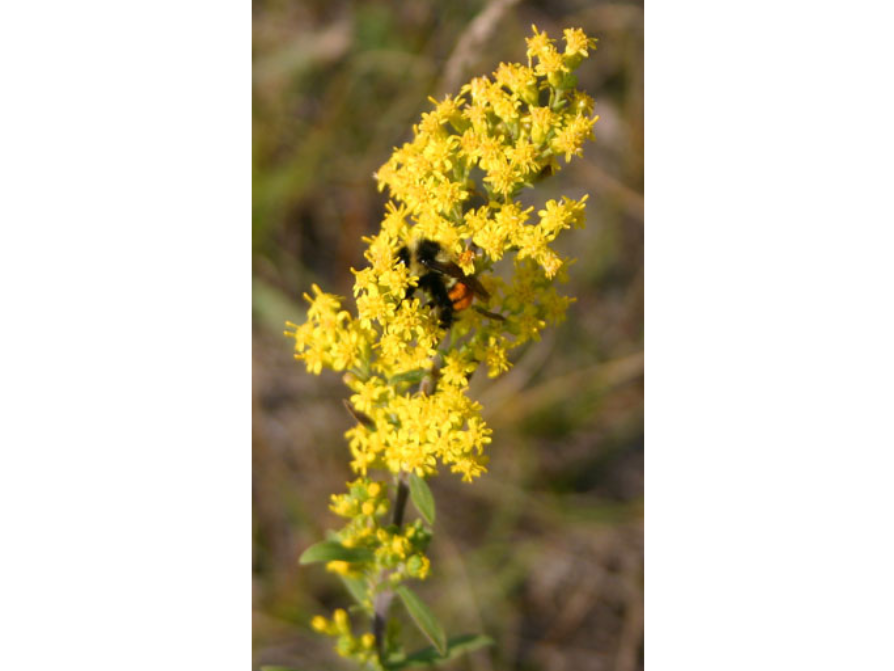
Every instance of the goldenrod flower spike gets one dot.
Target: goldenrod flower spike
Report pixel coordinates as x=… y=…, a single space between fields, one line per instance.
x=429 y=312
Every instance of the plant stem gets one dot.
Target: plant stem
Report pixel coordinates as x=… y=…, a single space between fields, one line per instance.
x=400 y=502
x=385 y=597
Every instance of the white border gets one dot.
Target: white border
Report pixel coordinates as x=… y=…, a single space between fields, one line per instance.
x=125 y=266
x=769 y=336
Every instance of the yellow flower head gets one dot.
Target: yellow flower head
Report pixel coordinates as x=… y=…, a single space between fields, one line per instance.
x=422 y=327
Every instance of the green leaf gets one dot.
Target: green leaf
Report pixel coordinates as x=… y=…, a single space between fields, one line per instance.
x=278 y=668
x=423 y=617
x=357 y=587
x=428 y=657
x=413 y=377
x=332 y=551
x=422 y=498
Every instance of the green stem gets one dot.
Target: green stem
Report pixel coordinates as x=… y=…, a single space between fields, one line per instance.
x=385 y=597
x=400 y=502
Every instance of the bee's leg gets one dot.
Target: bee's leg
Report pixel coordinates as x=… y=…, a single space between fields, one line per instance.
x=446 y=314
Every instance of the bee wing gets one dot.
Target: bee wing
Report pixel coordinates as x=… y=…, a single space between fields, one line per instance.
x=453 y=270
x=476 y=286
x=445 y=268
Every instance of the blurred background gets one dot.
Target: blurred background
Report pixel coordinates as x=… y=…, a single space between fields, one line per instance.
x=545 y=552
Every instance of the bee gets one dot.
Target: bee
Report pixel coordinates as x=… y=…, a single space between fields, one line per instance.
x=448 y=288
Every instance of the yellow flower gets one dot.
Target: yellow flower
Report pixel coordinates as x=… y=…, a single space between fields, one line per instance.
x=520 y=80
x=322 y=304
x=570 y=140
x=456 y=370
x=343 y=505
x=495 y=357
x=340 y=618
x=524 y=156
x=368 y=393
x=503 y=176
x=550 y=262
x=372 y=305
x=577 y=42
x=550 y=64
x=538 y=43
x=455 y=182
x=577 y=45
x=394 y=225
x=543 y=122
x=340 y=567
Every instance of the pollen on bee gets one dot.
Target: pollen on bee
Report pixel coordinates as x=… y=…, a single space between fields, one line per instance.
x=461 y=296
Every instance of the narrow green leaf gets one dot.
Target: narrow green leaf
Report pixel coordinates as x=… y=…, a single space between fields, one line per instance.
x=413 y=377
x=422 y=498
x=332 y=551
x=429 y=657
x=357 y=587
x=278 y=668
x=423 y=617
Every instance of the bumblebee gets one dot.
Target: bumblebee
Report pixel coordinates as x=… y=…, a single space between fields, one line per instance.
x=448 y=288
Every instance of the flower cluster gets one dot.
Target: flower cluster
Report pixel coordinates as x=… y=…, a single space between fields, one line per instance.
x=454 y=186
x=454 y=183
x=401 y=551
x=360 y=648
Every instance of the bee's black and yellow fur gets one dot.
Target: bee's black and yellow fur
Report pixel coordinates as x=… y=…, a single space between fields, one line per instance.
x=448 y=288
